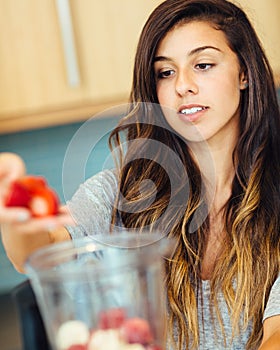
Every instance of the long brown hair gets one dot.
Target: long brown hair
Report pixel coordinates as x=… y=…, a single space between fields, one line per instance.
x=251 y=255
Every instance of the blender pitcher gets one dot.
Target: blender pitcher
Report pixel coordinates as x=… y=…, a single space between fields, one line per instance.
x=105 y=292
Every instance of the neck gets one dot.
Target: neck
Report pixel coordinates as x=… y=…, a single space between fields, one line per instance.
x=216 y=165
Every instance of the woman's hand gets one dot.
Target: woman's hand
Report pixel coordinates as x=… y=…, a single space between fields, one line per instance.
x=22 y=233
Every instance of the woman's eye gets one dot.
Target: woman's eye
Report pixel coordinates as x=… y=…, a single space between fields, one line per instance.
x=204 y=66
x=165 y=74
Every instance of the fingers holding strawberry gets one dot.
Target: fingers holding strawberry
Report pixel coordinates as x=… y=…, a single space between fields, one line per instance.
x=31 y=217
x=33 y=193
x=33 y=196
x=24 y=197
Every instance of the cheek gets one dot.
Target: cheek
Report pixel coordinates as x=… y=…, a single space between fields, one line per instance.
x=164 y=92
x=228 y=92
x=160 y=94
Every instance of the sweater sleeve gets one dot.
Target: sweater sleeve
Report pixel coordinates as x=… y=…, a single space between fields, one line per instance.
x=92 y=204
x=273 y=304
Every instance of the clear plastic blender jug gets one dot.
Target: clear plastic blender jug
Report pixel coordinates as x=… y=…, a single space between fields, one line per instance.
x=102 y=293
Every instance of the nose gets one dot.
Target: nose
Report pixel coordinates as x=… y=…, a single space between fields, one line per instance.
x=186 y=84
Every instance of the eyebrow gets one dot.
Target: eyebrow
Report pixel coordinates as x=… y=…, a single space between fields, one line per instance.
x=191 y=53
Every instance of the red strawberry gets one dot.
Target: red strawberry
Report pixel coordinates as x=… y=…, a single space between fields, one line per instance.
x=33 y=192
x=136 y=330
x=112 y=318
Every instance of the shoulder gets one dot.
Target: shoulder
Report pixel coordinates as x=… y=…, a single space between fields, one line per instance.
x=271 y=324
x=102 y=183
x=108 y=177
x=273 y=304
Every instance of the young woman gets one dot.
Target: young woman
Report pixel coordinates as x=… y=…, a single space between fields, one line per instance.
x=203 y=98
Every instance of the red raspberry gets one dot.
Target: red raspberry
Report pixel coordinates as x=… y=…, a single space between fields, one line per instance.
x=78 y=347
x=112 y=318
x=136 y=330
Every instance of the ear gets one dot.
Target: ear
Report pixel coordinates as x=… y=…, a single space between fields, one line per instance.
x=243 y=81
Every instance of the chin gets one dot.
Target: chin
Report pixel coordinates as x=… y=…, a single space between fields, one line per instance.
x=192 y=134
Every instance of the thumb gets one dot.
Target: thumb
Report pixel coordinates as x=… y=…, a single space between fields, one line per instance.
x=11 y=166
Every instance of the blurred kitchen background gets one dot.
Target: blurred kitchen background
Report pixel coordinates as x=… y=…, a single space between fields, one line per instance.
x=61 y=63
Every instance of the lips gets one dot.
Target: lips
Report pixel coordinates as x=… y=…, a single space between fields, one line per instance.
x=192 y=111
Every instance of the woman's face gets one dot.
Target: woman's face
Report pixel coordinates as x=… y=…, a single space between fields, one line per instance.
x=199 y=81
